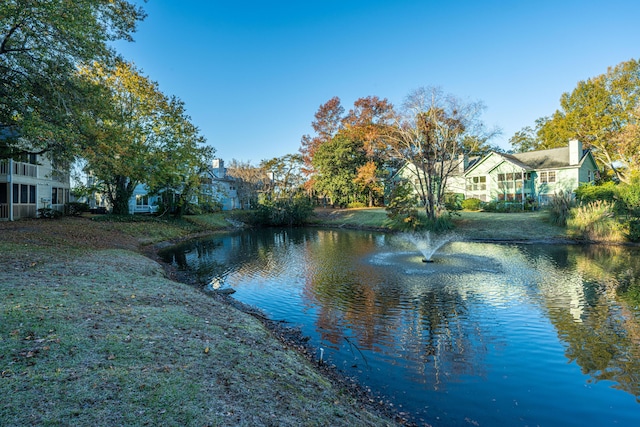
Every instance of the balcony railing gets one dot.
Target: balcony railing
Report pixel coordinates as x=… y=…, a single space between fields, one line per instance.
x=18 y=168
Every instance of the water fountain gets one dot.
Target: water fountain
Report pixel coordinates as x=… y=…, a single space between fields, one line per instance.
x=426 y=244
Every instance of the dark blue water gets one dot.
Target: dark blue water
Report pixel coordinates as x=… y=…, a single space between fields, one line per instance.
x=513 y=335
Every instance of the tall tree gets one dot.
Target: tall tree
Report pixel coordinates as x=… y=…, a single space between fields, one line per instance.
x=286 y=175
x=41 y=44
x=337 y=163
x=135 y=134
x=327 y=123
x=597 y=112
x=430 y=136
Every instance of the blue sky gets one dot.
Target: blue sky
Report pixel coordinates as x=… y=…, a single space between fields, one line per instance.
x=253 y=73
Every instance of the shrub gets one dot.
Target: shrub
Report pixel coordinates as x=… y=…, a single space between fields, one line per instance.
x=453 y=201
x=588 y=193
x=49 y=213
x=441 y=223
x=595 y=221
x=633 y=233
x=402 y=207
x=560 y=208
x=502 y=206
x=356 y=205
x=284 y=212
x=629 y=195
x=471 y=204
x=75 y=208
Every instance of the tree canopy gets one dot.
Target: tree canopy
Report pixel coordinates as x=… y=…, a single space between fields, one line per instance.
x=602 y=113
x=431 y=135
x=41 y=44
x=136 y=134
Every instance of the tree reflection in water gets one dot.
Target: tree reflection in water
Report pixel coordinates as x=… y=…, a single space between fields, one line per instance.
x=406 y=327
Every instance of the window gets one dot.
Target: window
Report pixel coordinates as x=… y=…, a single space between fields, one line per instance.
x=24 y=193
x=54 y=196
x=477 y=183
x=142 y=200
x=16 y=193
x=32 y=194
x=547 y=177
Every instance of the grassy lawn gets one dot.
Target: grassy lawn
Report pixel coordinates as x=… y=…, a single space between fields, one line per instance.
x=472 y=225
x=364 y=217
x=508 y=226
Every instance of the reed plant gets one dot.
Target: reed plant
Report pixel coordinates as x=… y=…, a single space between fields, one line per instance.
x=560 y=208
x=596 y=221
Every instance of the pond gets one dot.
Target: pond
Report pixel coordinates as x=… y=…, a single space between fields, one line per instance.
x=487 y=334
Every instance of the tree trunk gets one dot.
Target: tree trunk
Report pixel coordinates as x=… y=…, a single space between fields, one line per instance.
x=121 y=194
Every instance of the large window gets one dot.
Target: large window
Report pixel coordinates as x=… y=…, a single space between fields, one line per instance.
x=24 y=194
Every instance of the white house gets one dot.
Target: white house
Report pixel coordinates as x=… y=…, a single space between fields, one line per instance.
x=30 y=183
x=218 y=185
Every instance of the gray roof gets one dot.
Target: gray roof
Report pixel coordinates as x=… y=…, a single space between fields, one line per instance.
x=544 y=159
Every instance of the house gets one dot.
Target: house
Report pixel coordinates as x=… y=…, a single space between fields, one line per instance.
x=534 y=176
x=29 y=183
x=218 y=185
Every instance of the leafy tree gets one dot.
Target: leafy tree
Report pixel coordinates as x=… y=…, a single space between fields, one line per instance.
x=286 y=175
x=527 y=139
x=180 y=158
x=366 y=125
x=135 y=134
x=327 y=123
x=369 y=179
x=430 y=136
x=602 y=112
x=337 y=163
x=41 y=44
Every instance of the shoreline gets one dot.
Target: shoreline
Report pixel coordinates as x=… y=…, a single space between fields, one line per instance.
x=291 y=337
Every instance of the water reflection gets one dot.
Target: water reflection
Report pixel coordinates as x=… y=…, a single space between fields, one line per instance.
x=488 y=334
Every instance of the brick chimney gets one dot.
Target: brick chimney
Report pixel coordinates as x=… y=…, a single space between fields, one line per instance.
x=575 y=152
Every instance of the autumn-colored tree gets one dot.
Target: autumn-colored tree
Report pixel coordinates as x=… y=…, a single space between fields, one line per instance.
x=365 y=126
x=135 y=134
x=430 y=136
x=369 y=180
x=41 y=45
x=597 y=112
x=327 y=123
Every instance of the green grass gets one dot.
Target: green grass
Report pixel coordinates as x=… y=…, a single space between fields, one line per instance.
x=472 y=225
x=508 y=226
x=210 y=221
x=359 y=217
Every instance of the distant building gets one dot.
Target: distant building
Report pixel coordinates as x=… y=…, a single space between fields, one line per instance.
x=218 y=185
x=534 y=176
